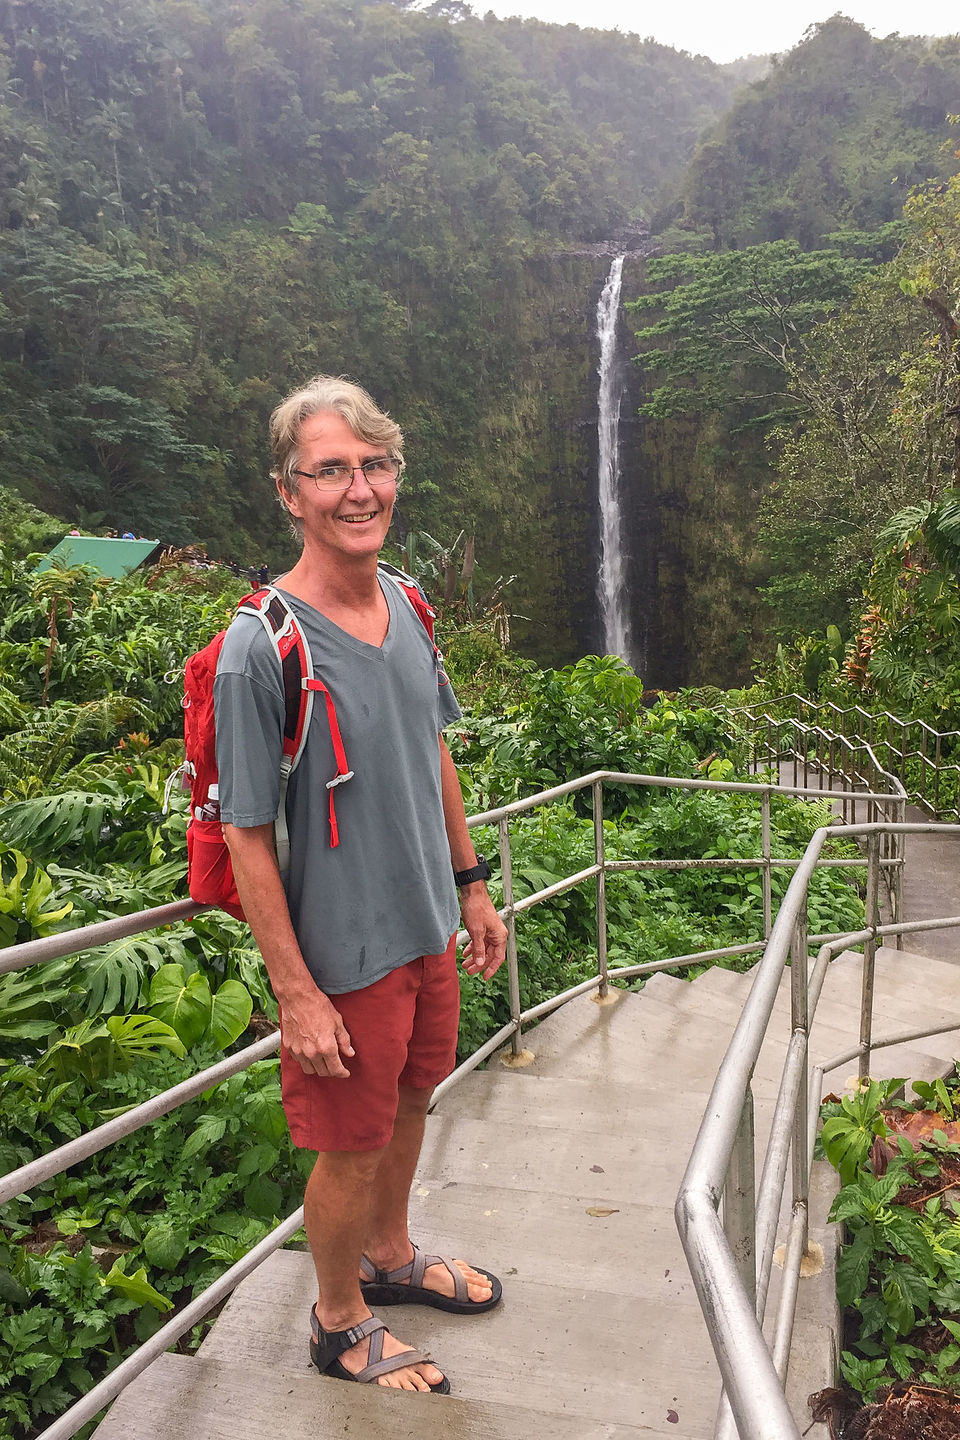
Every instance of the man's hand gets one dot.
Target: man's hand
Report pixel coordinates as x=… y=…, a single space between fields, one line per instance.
x=483 y=954
x=316 y=1037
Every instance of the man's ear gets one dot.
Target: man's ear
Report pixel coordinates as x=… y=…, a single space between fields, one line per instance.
x=289 y=501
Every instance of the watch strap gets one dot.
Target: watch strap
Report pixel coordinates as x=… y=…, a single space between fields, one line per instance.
x=480 y=871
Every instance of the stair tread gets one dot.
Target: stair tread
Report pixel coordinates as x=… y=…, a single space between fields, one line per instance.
x=670 y=1041
x=185 y=1398
x=539 y=1345
x=841 y=992
x=836 y=1024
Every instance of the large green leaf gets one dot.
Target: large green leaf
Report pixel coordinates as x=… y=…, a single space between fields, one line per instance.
x=112 y=974
x=853 y=1266
x=230 y=1013
x=263 y=1197
x=137 y=1035
x=165 y=1245
x=182 y=1002
x=136 y=1287
x=95 y=1049
x=48 y=824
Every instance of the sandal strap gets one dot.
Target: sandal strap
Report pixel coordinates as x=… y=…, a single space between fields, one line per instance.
x=420 y=1264
x=331 y=1344
x=386 y=1367
x=413 y=1272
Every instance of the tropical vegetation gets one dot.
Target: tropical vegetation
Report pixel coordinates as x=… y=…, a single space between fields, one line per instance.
x=898 y=1276
x=91 y=1260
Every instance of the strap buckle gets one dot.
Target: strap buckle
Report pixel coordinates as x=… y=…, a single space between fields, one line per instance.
x=339 y=779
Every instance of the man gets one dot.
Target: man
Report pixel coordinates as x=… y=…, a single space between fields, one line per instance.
x=357 y=937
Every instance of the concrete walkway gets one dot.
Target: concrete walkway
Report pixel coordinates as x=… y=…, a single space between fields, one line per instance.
x=931 y=889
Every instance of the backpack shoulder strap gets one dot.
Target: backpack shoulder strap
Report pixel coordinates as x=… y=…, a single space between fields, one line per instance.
x=300 y=684
x=414 y=594
x=296 y=666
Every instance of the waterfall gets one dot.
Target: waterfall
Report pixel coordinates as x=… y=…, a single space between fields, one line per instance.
x=612 y=587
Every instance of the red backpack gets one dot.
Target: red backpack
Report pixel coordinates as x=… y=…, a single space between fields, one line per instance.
x=209 y=870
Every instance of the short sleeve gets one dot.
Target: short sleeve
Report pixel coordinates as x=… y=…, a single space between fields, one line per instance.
x=448 y=709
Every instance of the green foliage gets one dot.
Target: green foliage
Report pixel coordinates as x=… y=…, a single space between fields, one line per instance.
x=168 y=1199
x=834 y=135
x=898 y=1276
x=722 y=314
x=848 y=1136
x=200 y=209
x=874 y=466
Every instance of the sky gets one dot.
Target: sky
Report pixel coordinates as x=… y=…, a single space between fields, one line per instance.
x=739 y=27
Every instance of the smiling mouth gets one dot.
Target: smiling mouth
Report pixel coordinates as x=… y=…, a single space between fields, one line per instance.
x=359 y=519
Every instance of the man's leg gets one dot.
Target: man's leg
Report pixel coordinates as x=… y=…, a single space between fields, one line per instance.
x=387 y=1240
x=337 y=1206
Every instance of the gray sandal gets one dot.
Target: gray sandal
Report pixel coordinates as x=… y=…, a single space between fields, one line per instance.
x=405 y=1286
x=327 y=1346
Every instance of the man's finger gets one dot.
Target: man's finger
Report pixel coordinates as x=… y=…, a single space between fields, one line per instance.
x=335 y=1067
x=343 y=1041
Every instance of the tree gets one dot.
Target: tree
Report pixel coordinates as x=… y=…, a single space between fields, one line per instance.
x=730 y=319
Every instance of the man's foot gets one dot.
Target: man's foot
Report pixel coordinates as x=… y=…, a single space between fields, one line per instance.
x=429 y=1280
x=347 y=1352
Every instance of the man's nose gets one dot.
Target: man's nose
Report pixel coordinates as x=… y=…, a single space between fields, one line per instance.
x=363 y=484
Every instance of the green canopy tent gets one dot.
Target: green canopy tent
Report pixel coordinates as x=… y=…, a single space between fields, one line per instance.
x=108 y=557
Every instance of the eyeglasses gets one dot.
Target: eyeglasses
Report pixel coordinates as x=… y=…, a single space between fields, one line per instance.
x=378 y=470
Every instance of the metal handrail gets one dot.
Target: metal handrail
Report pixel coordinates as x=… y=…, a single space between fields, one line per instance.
x=75 y=942
x=731 y=1262
x=875 y=728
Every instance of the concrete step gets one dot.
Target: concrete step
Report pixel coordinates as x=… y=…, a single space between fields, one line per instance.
x=550 y=1238
x=643 y=1165
x=639 y=1040
x=908 y=988
x=503 y=1096
x=180 y=1398
x=557 y=1349
x=837 y=1023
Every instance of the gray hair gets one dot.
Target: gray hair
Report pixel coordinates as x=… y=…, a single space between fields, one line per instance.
x=341 y=397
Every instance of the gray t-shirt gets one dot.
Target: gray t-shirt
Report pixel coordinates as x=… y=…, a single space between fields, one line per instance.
x=385 y=895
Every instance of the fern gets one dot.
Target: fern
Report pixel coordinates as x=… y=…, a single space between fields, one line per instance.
x=33 y=757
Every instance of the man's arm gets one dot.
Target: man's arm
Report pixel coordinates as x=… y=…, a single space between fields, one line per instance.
x=488 y=935
x=313 y=1031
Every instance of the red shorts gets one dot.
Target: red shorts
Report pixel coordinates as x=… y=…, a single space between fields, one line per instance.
x=404 y=1031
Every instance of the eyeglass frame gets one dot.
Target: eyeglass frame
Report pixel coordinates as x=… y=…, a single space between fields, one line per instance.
x=396 y=459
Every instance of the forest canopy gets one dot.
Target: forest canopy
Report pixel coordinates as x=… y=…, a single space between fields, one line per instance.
x=201 y=205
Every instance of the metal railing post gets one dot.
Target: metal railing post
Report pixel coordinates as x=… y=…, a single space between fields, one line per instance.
x=800 y=1021
x=513 y=968
x=740 y=1200
x=900 y=855
x=767 y=879
x=600 y=858
x=872 y=917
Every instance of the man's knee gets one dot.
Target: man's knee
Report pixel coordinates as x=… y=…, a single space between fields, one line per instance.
x=414 y=1099
x=351 y=1169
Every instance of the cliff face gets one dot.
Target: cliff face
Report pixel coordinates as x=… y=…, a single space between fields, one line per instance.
x=690 y=491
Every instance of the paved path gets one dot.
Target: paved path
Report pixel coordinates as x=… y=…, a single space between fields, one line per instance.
x=931 y=882
x=931 y=888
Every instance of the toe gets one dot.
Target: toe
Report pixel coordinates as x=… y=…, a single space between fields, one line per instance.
x=478 y=1286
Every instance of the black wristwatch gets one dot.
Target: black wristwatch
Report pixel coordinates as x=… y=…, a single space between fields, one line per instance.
x=480 y=871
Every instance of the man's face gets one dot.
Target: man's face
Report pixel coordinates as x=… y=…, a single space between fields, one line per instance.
x=344 y=523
